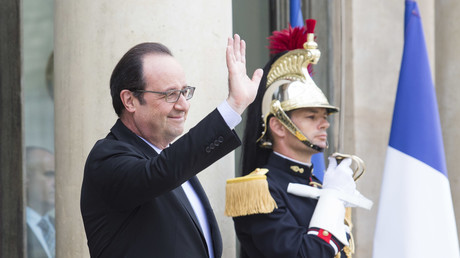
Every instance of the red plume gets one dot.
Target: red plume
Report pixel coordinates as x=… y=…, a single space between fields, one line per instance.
x=291 y=38
x=287 y=39
x=310 y=24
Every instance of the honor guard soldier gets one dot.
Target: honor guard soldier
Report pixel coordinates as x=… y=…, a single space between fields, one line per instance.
x=286 y=125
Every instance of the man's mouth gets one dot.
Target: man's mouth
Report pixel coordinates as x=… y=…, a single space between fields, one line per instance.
x=322 y=137
x=178 y=118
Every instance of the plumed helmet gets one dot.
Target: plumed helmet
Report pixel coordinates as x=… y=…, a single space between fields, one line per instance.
x=289 y=85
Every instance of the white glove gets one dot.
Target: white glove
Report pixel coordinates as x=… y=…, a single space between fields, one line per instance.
x=356 y=200
x=329 y=213
x=340 y=177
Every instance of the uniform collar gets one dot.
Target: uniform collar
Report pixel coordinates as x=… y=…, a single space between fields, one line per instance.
x=290 y=166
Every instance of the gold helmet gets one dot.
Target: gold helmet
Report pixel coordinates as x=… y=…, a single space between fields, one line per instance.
x=289 y=87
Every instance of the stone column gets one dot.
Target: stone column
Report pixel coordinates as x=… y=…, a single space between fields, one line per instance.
x=90 y=37
x=447 y=65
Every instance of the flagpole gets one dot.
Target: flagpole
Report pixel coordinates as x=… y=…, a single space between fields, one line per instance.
x=341 y=126
x=349 y=250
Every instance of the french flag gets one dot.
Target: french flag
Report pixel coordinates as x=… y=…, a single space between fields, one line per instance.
x=415 y=217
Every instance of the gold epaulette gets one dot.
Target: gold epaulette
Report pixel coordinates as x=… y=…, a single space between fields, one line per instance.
x=249 y=195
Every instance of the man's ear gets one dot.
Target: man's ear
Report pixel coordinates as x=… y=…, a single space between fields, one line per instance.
x=127 y=98
x=276 y=127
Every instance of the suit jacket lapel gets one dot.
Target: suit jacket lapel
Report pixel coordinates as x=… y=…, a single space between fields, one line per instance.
x=34 y=246
x=215 y=232
x=180 y=194
x=120 y=131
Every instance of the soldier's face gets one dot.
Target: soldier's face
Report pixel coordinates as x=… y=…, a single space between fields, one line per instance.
x=313 y=123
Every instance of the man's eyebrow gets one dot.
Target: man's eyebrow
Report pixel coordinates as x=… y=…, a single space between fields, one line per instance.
x=176 y=88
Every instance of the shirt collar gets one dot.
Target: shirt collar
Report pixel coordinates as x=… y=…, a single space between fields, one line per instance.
x=293 y=160
x=32 y=216
x=158 y=150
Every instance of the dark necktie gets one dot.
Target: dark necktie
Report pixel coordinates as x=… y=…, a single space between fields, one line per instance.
x=49 y=234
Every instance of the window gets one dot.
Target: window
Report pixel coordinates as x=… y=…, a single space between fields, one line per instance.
x=38 y=106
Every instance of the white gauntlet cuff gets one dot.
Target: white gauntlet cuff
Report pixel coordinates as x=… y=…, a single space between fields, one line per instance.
x=329 y=215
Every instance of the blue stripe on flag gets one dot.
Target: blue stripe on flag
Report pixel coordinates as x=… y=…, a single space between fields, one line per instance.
x=318 y=165
x=416 y=128
x=295 y=17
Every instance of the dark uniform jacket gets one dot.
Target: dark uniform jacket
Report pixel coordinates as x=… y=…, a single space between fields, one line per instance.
x=284 y=232
x=131 y=200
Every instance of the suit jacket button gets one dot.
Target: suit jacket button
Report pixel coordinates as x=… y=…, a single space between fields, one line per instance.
x=208 y=150
x=211 y=146
x=216 y=143
x=220 y=139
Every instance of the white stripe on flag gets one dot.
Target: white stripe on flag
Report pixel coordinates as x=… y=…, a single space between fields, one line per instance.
x=415 y=216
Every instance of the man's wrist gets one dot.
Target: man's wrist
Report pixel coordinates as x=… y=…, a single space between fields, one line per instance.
x=237 y=107
x=230 y=115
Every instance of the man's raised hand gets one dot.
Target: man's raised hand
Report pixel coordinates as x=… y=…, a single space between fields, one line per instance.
x=242 y=89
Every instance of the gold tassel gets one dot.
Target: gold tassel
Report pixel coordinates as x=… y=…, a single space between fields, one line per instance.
x=249 y=195
x=350 y=249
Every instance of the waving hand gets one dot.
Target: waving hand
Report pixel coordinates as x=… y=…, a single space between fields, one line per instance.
x=242 y=89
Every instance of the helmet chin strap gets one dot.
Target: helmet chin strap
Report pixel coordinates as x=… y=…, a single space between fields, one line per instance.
x=279 y=113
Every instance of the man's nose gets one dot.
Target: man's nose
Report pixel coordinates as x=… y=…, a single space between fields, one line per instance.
x=324 y=124
x=182 y=103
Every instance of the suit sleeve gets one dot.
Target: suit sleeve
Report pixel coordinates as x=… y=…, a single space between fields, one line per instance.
x=126 y=178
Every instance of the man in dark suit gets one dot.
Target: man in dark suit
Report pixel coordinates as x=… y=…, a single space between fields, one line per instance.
x=140 y=196
x=40 y=203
